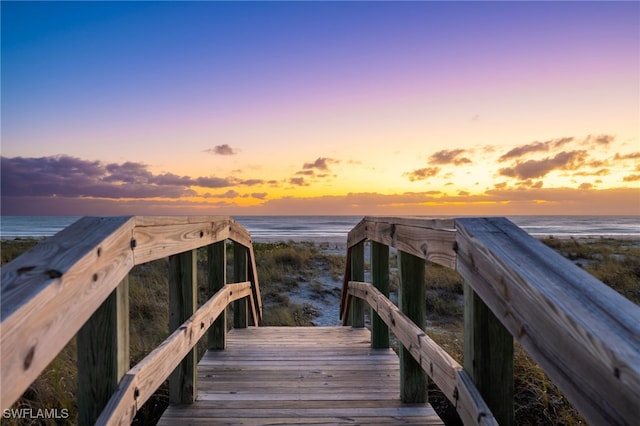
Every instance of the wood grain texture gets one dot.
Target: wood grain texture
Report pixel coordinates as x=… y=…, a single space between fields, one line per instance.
x=488 y=356
x=357 y=274
x=411 y=301
x=51 y=291
x=380 y=280
x=446 y=372
x=103 y=354
x=582 y=333
x=157 y=240
x=345 y=298
x=240 y=273
x=183 y=302
x=141 y=381
x=429 y=239
x=299 y=375
x=255 y=287
x=216 y=280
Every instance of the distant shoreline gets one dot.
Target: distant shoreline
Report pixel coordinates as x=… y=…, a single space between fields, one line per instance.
x=338 y=240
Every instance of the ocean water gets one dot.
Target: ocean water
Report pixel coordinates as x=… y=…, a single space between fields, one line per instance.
x=336 y=228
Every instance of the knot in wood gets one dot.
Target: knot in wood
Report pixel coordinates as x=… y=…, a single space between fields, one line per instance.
x=53 y=273
x=29 y=358
x=25 y=269
x=424 y=248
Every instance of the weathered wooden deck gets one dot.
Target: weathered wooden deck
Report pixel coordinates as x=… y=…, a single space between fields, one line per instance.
x=299 y=375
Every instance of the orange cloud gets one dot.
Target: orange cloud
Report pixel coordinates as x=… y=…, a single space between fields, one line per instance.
x=449 y=157
x=535 y=147
x=630 y=156
x=421 y=174
x=321 y=163
x=538 y=168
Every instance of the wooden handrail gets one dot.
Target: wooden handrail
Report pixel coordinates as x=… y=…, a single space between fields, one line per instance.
x=584 y=335
x=429 y=239
x=445 y=371
x=49 y=292
x=139 y=384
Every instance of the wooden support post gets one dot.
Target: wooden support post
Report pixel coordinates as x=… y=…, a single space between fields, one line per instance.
x=357 y=274
x=183 y=291
x=380 y=280
x=488 y=356
x=217 y=263
x=240 y=273
x=411 y=298
x=103 y=354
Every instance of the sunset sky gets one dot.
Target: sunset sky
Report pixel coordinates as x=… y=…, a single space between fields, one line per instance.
x=242 y=108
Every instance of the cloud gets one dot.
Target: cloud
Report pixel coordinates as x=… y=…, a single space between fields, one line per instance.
x=422 y=174
x=213 y=182
x=600 y=139
x=630 y=156
x=66 y=176
x=538 y=168
x=601 y=172
x=229 y=194
x=585 y=185
x=449 y=157
x=631 y=178
x=298 y=181
x=321 y=163
x=535 y=147
x=252 y=182
x=171 y=179
x=224 y=149
x=259 y=195
x=499 y=201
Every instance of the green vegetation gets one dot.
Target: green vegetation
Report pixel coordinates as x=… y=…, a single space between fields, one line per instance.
x=283 y=266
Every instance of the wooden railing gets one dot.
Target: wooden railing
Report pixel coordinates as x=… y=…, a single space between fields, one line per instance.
x=584 y=335
x=76 y=282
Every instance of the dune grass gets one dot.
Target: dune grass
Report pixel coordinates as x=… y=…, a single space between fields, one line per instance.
x=282 y=266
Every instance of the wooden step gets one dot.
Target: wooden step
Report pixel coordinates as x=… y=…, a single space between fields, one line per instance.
x=299 y=375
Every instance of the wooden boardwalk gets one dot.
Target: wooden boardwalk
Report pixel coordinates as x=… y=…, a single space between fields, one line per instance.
x=299 y=375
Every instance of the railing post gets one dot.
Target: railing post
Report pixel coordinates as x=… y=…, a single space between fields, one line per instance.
x=411 y=298
x=357 y=274
x=240 y=273
x=380 y=280
x=217 y=263
x=488 y=356
x=183 y=291
x=103 y=353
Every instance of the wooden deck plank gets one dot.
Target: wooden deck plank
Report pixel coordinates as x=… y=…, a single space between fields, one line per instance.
x=299 y=375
